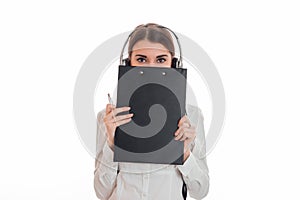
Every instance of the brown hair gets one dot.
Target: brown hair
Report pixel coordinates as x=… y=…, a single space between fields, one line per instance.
x=153 y=33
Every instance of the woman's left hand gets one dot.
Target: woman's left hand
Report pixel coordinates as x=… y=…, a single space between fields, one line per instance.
x=187 y=133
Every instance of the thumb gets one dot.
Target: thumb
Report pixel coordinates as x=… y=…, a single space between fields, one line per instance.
x=109 y=108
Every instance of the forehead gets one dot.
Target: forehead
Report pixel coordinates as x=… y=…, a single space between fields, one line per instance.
x=149 y=48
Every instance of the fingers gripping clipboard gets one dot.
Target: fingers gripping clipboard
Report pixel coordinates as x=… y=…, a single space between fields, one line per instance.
x=157 y=97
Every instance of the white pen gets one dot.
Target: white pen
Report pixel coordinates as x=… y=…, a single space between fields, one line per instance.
x=111 y=102
x=109 y=99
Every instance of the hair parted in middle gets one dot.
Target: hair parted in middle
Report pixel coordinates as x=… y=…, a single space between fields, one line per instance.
x=152 y=32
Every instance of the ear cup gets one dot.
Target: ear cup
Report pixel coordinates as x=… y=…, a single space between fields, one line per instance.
x=126 y=62
x=175 y=63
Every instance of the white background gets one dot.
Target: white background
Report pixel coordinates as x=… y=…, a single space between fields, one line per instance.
x=254 y=44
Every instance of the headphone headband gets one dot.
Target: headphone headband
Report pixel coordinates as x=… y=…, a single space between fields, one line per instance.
x=158 y=26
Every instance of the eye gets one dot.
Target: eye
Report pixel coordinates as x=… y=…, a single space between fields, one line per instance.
x=161 y=60
x=141 y=60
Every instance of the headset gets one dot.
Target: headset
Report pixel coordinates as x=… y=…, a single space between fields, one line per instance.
x=176 y=63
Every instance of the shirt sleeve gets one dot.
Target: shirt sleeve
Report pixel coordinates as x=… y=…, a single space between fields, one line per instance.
x=105 y=173
x=194 y=170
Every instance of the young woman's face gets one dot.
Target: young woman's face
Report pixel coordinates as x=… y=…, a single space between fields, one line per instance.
x=145 y=53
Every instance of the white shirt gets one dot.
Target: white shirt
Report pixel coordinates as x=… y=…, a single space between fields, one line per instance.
x=142 y=181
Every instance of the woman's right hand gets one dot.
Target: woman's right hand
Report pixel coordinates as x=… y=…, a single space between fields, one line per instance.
x=112 y=121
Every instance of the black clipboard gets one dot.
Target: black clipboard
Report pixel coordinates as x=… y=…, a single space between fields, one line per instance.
x=157 y=97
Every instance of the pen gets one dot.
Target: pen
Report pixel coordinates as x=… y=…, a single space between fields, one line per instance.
x=111 y=102
x=109 y=99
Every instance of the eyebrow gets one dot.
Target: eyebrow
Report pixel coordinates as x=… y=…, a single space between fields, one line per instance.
x=141 y=55
x=156 y=56
x=162 y=56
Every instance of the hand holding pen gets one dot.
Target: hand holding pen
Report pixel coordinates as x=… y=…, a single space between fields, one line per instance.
x=112 y=121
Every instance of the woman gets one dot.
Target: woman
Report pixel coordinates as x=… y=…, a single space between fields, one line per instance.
x=150 y=45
